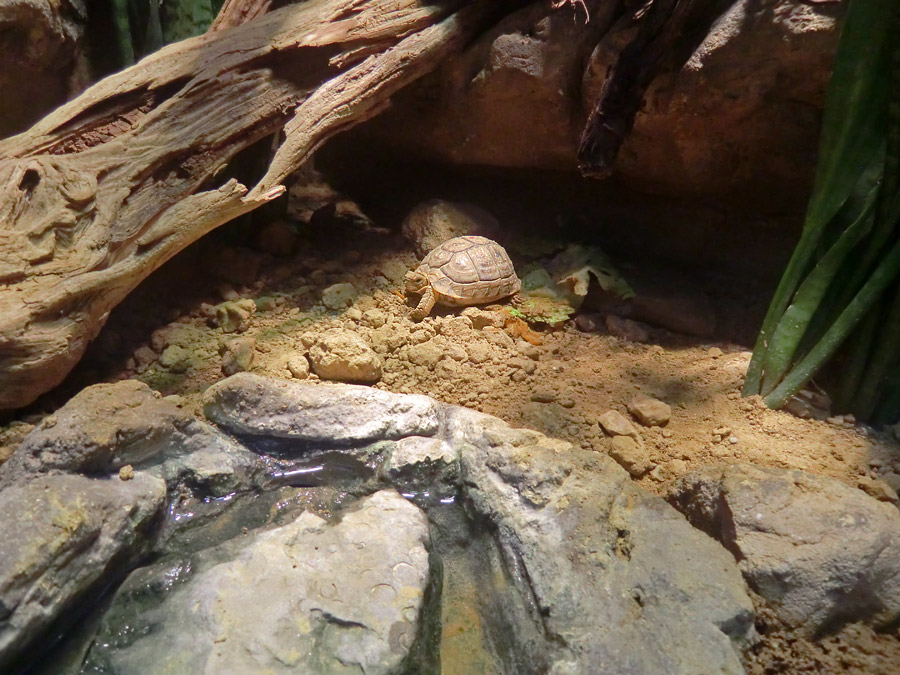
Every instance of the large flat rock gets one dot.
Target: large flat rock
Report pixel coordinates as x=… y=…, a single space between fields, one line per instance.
x=308 y=597
x=255 y=405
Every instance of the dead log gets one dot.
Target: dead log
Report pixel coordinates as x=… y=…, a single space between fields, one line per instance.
x=104 y=190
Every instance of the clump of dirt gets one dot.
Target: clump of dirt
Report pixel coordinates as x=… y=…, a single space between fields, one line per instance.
x=253 y=309
x=853 y=649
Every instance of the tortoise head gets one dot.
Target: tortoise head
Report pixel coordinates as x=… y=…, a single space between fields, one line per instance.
x=415 y=282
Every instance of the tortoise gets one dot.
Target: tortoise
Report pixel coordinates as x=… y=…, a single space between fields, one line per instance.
x=462 y=271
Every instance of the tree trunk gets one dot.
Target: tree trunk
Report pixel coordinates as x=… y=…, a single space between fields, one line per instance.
x=104 y=190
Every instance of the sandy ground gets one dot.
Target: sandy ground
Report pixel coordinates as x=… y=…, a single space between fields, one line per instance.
x=559 y=385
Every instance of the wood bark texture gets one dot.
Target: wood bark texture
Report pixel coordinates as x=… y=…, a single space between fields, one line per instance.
x=104 y=190
x=237 y=12
x=661 y=27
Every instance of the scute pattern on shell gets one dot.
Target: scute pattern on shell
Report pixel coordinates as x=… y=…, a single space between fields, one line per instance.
x=470 y=270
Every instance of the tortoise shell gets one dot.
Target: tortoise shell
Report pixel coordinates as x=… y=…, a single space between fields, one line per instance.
x=470 y=270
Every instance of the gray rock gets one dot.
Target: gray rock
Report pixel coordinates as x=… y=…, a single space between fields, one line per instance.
x=307 y=597
x=424 y=466
x=819 y=552
x=619 y=581
x=515 y=96
x=237 y=354
x=339 y=296
x=50 y=64
x=260 y=406
x=101 y=429
x=573 y=568
x=432 y=223
x=210 y=461
x=342 y=355
x=63 y=537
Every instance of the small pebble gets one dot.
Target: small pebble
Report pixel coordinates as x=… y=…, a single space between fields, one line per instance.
x=298 y=366
x=543 y=396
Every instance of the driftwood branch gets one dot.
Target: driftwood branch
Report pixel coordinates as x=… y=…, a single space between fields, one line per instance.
x=107 y=188
x=663 y=26
x=237 y=12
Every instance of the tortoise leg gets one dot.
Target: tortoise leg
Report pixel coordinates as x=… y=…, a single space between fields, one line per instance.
x=425 y=305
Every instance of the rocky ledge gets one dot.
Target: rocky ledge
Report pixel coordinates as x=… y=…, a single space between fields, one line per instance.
x=299 y=527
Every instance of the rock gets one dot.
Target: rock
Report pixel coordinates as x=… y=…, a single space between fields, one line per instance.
x=763 y=74
x=650 y=412
x=233 y=316
x=432 y=223
x=374 y=317
x=175 y=358
x=553 y=541
x=424 y=465
x=12 y=436
x=819 y=552
x=682 y=310
x=630 y=454
x=880 y=489
x=180 y=334
x=588 y=323
x=47 y=64
x=237 y=354
x=64 y=538
x=458 y=327
x=339 y=296
x=278 y=238
x=144 y=356
x=342 y=355
x=393 y=270
x=597 y=551
x=101 y=429
x=482 y=318
x=627 y=329
x=389 y=338
x=238 y=266
x=311 y=597
x=543 y=396
x=664 y=297
x=298 y=365
x=332 y=414
x=527 y=366
x=892 y=479
x=615 y=423
x=425 y=354
x=479 y=352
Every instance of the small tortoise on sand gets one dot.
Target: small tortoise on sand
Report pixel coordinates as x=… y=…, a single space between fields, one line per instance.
x=462 y=271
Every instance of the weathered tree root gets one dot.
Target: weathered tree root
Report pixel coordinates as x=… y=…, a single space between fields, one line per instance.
x=104 y=190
